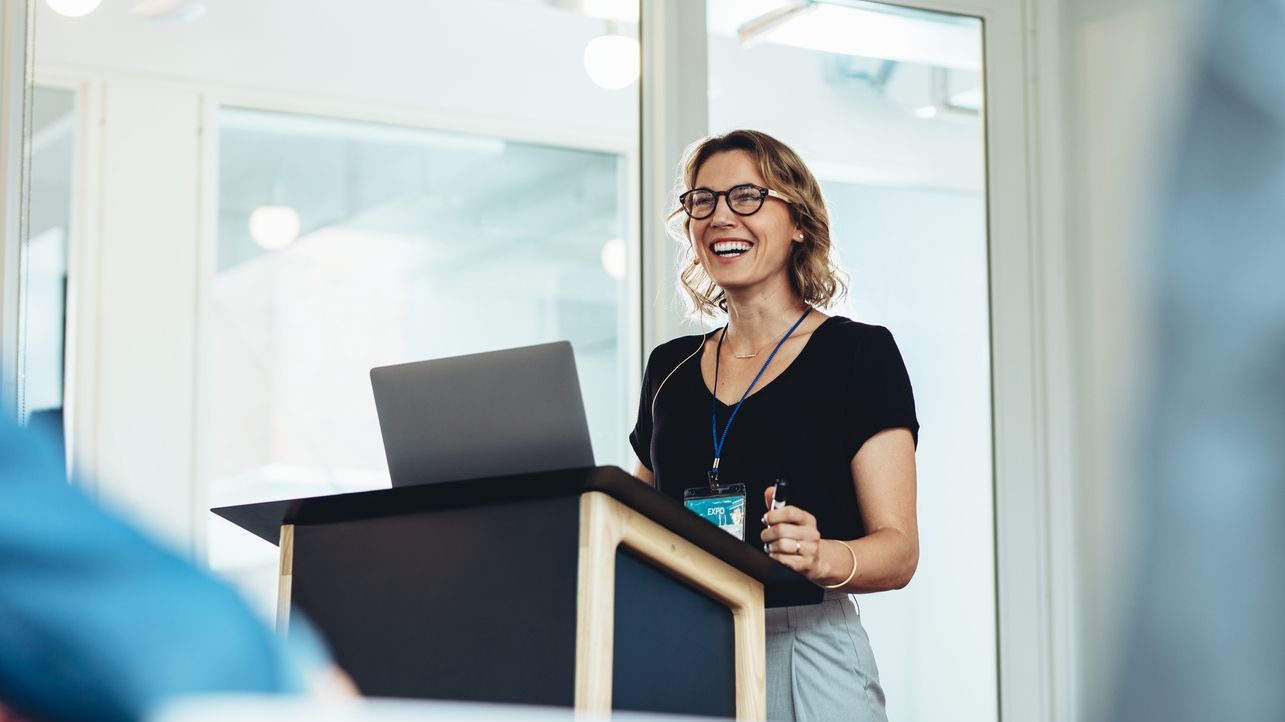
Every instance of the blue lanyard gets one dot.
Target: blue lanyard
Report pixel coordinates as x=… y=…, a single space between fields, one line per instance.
x=713 y=412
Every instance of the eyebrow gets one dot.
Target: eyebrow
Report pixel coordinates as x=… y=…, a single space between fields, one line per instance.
x=743 y=183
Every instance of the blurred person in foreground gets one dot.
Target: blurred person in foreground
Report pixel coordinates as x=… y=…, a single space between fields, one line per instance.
x=1206 y=634
x=97 y=622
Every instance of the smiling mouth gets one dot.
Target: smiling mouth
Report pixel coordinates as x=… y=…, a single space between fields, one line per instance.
x=730 y=249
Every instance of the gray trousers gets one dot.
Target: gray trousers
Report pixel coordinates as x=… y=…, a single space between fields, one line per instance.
x=819 y=665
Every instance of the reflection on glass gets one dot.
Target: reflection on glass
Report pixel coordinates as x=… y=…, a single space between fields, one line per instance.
x=884 y=104
x=45 y=324
x=344 y=246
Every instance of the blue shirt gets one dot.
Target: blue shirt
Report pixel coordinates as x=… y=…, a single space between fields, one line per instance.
x=99 y=622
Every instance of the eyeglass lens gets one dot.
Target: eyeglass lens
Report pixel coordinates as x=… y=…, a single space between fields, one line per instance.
x=743 y=200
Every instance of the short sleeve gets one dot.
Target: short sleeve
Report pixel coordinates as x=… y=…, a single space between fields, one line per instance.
x=884 y=398
x=640 y=437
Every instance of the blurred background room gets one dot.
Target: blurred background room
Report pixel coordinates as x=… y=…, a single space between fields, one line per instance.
x=220 y=214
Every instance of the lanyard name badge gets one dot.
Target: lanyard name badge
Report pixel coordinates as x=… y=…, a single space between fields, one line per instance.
x=724 y=504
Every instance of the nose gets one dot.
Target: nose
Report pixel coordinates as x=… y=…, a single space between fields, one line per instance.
x=722 y=217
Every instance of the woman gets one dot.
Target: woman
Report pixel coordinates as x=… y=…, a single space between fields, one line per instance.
x=784 y=391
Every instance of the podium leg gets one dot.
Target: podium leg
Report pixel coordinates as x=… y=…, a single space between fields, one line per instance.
x=285 y=578
x=605 y=525
x=595 y=603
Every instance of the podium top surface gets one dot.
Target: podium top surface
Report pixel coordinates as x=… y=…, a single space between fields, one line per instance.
x=782 y=586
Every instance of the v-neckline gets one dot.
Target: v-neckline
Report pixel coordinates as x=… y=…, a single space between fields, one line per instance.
x=700 y=370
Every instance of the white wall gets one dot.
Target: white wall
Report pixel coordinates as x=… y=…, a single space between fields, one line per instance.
x=146 y=304
x=480 y=62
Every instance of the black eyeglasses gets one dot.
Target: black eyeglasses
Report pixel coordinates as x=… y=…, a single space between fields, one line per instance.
x=744 y=200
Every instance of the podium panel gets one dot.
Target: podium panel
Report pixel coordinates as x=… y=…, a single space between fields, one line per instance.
x=475 y=604
x=656 y=611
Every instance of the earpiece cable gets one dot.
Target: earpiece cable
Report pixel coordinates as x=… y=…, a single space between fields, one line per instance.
x=699 y=346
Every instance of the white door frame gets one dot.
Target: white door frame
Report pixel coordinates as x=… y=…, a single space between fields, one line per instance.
x=15 y=113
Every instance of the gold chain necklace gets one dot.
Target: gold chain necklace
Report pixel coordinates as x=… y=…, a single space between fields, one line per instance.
x=739 y=355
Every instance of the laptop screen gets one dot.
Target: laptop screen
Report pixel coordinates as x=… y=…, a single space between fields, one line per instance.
x=489 y=414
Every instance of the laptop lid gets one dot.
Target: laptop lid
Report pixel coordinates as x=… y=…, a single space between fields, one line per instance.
x=489 y=414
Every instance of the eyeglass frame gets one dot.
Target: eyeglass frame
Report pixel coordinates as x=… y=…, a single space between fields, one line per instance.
x=764 y=192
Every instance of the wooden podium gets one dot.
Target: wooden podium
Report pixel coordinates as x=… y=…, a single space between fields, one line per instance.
x=581 y=588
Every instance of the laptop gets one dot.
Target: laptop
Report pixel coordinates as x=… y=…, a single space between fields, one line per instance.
x=488 y=414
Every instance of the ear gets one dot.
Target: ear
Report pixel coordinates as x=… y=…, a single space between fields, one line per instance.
x=798 y=235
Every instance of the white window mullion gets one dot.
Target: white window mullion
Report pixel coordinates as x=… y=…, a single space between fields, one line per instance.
x=675 y=110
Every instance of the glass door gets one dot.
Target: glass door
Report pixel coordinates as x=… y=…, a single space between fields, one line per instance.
x=885 y=105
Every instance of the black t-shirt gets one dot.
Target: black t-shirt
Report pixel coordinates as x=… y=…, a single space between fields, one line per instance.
x=846 y=385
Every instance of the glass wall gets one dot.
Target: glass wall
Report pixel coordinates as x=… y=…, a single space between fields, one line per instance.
x=358 y=184
x=885 y=106
x=346 y=245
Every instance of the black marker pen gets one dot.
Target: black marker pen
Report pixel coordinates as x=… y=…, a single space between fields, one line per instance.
x=779 y=494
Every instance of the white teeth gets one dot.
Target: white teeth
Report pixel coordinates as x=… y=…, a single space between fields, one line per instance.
x=729 y=248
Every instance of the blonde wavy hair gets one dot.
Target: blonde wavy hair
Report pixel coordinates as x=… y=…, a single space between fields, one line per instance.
x=813 y=274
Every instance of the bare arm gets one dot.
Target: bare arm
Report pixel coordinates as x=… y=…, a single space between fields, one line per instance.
x=887 y=556
x=644 y=474
x=884 y=473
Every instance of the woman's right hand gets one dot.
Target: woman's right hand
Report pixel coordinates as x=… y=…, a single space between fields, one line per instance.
x=791 y=537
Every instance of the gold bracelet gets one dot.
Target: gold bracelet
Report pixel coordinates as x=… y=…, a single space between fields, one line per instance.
x=854 y=566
